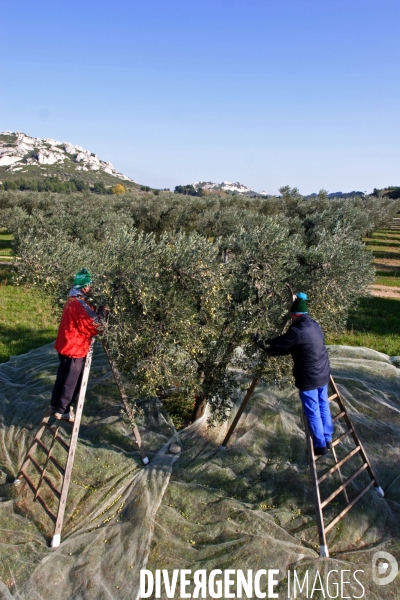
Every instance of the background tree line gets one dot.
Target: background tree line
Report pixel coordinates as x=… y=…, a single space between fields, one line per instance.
x=54 y=184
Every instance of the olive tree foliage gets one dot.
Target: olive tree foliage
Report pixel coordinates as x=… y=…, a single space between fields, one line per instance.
x=188 y=281
x=361 y=215
x=86 y=216
x=182 y=304
x=178 y=309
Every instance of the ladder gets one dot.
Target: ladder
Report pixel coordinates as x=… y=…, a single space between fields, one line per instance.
x=318 y=478
x=52 y=425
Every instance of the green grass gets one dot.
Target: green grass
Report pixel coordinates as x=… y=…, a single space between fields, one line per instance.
x=26 y=319
x=389 y=280
x=379 y=248
x=384 y=236
x=382 y=253
x=384 y=243
x=375 y=324
x=5 y=245
x=380 y=232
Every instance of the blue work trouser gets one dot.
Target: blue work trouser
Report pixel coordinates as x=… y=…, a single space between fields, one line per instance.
x=316 y=407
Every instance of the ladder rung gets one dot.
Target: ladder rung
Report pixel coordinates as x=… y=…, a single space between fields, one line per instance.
x=339 y=416
x=344 y=484
x=44 y=477
x=57 y=465
x=47 y=509
x=43 y=447
x=58 y=438
x=42 y=502
x=51 y=486
x=53 y=460
x=349 y=506
x=339 y=464
x=333 y=397
x=29 y=481
x=36 y=464
x=339 y=439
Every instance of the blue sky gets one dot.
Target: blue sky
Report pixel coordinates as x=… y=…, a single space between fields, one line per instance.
x=303 y=93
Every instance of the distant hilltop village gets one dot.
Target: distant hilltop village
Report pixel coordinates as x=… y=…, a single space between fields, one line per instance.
x=227 y=186
x=21 y=153
x=204 y=188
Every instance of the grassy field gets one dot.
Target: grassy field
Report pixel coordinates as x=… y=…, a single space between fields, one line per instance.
x=388 y=280
x=385 y=246
x=26 y=319
x=5 y=245
x=375 y=324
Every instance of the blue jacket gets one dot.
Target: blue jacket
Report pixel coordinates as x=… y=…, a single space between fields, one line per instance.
x=304 y=340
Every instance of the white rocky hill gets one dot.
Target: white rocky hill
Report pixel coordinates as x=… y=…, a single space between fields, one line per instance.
x=20 y=152
x=227 y=186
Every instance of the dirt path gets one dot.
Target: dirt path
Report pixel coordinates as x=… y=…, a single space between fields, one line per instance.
x=385 y=291
x=387 y=263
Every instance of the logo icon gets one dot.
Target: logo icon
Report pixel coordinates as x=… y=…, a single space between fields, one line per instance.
x=384 y=568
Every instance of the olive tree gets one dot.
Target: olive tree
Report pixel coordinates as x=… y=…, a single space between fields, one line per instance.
x=181 y=304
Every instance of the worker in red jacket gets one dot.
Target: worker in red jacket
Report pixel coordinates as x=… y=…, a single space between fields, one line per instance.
x=79 y=323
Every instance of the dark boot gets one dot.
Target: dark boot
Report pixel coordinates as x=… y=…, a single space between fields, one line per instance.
x=321 y=451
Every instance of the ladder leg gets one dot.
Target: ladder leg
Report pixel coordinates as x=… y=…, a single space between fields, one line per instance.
x=356 y=439
x=56 y=540
x=323 y=547
x=241 y=408
x=334 y=450
x=128 y=409
x=340 y=475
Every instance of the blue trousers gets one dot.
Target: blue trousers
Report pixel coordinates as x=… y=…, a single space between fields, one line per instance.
x=316 y=407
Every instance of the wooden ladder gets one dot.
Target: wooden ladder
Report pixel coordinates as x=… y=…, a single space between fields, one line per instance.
x=319 y=478
x=69 y=447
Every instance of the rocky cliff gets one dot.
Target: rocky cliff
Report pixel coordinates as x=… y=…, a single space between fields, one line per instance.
x=22 y=154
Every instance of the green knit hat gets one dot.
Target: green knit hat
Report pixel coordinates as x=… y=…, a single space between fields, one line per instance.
x=82 y=279
x=299 y=306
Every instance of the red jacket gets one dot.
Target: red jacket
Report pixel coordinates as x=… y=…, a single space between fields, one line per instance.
x=79 y=323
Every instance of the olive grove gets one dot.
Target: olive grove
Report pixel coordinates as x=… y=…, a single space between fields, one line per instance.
x=188 y=281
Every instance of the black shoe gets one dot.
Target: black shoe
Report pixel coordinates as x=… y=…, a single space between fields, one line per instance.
x=329 y=445
x=321 y=451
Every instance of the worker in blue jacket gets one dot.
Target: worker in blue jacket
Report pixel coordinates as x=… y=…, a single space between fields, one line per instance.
x=304 y=340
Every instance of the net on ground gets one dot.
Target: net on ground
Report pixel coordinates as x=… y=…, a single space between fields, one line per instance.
x=248 y=507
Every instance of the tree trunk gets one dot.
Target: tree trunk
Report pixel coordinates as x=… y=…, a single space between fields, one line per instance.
x=199 y=407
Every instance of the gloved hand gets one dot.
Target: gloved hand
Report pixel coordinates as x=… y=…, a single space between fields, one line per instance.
x=259 y=342
x=255 y=337
x=103 y=312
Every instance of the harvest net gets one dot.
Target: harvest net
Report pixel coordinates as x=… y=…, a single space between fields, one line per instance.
x=248 y=507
